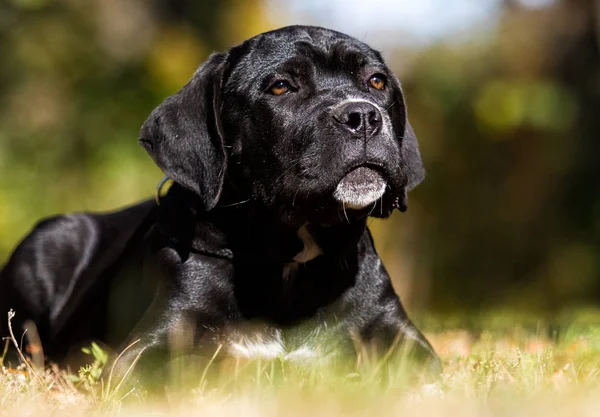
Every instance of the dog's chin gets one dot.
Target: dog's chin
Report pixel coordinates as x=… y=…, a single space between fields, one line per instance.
x=360 y=188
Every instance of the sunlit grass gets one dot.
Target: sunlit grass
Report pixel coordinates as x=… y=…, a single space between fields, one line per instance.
x=494 y=365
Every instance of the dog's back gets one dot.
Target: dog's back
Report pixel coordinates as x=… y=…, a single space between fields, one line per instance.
x=61 y=268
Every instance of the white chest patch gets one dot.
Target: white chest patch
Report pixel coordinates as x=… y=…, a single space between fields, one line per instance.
x=257 y=349
x=269 y=348
x=310 y=250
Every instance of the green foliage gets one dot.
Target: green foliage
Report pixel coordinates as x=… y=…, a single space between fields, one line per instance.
x=90 y=375
x=501 y=364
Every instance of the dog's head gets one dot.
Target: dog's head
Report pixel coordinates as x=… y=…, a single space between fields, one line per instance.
x=306 y=121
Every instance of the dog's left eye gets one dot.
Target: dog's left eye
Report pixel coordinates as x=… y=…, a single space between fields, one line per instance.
x=280 y=87
x=377 y=81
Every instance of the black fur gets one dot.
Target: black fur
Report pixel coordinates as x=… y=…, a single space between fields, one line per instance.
x=251 y=169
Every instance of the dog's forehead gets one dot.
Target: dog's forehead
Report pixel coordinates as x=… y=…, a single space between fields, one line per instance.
x=322 y=47
x=315 y=37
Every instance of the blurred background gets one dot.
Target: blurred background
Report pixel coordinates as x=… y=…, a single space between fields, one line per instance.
x=504 y=97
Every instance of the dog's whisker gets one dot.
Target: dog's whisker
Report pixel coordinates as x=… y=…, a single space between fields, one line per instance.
x=373 y=209
x=235 y=204
x=295 y=195
x=345 y=214
x=292 y=165
x=339 y=214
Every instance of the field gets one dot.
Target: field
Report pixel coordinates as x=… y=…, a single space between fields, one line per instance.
x=498 y=364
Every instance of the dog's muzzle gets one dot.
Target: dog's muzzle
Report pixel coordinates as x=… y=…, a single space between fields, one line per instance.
x=360 y=188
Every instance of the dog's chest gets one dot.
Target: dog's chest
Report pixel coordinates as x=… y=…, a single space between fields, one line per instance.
x=310 y=250
x=270 y=345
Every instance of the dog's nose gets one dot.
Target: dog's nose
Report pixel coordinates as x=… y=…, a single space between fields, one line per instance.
x=359 y=117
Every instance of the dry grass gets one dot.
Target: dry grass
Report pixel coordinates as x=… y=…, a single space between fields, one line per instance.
x=498 y=365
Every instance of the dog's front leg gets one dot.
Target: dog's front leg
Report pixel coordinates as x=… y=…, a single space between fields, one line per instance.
x=165 y=347
x=392 y=335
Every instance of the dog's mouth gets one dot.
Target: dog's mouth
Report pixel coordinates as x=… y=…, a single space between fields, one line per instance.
x=360 y=187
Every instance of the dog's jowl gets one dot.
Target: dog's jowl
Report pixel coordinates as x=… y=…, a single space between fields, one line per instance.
x=279 y=151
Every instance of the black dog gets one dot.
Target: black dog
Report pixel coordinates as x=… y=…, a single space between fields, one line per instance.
x=279 y=150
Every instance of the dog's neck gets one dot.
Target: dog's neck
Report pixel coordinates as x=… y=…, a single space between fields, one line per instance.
x=249 y=232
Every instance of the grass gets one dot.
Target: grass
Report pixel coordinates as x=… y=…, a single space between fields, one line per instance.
x=498 y=364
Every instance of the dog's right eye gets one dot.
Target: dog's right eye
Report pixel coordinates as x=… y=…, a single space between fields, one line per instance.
x=280 y=87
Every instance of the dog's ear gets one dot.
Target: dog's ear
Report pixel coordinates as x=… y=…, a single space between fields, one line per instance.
x=184 y=137
x=415 y=171
x=412 y=165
